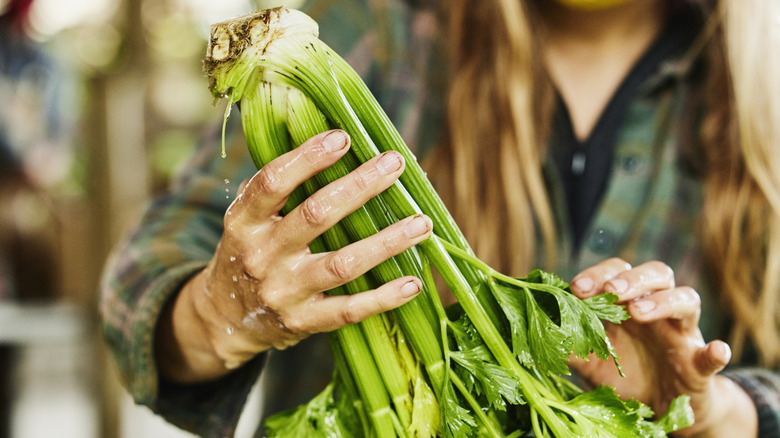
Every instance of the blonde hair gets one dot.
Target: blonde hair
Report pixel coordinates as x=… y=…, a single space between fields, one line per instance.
x=499 y=110
x=492 y=160
x=742 y=210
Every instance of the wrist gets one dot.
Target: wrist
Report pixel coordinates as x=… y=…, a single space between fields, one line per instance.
x=193 y=343
x=730 y=412
x=223 y=333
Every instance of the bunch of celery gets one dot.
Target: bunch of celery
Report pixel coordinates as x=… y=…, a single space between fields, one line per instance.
x=490 y=366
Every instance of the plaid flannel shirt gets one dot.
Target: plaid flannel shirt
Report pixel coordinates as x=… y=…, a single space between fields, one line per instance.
x=649 y=212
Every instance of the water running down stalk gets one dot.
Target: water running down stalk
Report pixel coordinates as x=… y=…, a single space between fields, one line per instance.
x=490 y=366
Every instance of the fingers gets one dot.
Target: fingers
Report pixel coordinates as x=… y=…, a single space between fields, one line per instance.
x=682 y=304
x=334 y=312
x=618 y=277
x=591 y=281
x=648 y=290
x=333 y=202
x=339 y=267
x=640 y=280
x=267 y=191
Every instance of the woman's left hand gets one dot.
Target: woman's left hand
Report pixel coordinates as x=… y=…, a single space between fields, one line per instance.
x=662 y=351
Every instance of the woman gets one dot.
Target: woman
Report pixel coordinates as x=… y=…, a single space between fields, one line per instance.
x=616 y=131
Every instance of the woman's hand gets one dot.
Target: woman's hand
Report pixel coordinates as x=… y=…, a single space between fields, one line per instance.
x=661 y=349
x=263 y=288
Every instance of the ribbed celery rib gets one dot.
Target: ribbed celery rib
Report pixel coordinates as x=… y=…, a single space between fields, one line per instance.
x=467 y=370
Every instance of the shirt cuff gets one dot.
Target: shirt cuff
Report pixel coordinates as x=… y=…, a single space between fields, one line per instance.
x=763 y=387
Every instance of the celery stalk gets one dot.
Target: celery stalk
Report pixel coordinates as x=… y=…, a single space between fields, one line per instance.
x=506 y=343
x=270 y=109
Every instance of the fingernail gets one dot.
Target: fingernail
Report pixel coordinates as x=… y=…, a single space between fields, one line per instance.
x=417 y=226
x=389 y=163
x=643 y=306
x=617 y=286
x=335 y=141
x=410 y=289
x=584 y=284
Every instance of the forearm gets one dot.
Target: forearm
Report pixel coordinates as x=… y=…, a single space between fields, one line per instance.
x=189 y=340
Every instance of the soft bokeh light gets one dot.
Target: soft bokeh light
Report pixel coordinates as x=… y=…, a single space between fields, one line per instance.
x=180 y=95
x=172 y=36
x=49 y=17
x=205 y=12
x=97 y=45
x=136 y=103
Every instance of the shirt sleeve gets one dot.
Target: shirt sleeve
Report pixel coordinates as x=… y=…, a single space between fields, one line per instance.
x=763 y=386
x=176 y=237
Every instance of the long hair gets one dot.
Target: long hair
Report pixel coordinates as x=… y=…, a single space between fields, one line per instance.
x=741 y=137
x=490 y=164
x=500 y=106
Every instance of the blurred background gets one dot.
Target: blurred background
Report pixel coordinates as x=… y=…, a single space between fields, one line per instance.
x=100 y=102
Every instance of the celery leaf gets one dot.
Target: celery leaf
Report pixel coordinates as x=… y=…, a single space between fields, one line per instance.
x=613 y=417
x=319 y=418
x=537 y=341
x=458 y=421
x=496 y=382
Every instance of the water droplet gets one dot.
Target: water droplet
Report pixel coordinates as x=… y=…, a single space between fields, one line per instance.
x=235 y=279
x=230 y=330
x=233 y=295
x=227 y=181
x=232 y=258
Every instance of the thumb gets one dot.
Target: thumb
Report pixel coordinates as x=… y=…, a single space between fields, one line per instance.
x=713 y=357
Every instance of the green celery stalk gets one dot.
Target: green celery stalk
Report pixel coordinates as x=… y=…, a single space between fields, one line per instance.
x=270 y=110
x=306 y=121
x=511 y=341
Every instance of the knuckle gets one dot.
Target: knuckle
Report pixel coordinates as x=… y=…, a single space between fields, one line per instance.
x=350 y=313
x=313 y=152
x=267 y=180
x=341 y=266
x=689 y=294
x=382 y=302
x=314 y=211
x=619 y=263
x=295 y=325
x=659 y=272
x=253 y=264
x=389 y=244
x=658 y=266
x=273 y=301
x=363 y=178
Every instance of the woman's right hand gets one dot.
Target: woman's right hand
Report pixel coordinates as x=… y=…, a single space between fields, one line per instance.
x=263 y=288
